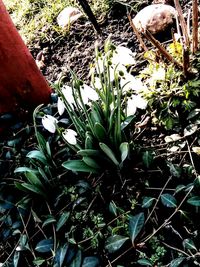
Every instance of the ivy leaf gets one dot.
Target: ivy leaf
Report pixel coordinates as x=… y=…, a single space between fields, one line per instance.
x=60 y=255
x=189 y=244
x=38 y=261
x=113 y=243
x=147 y=158
x=45 y=245
x=168 y=200
x=62 y=220
x=144 y=262
x=194 y=201
x=77 y=260
x=176 y=262
x=147 y=202
x=136 y=224
x=175 y=170
x=91 y=262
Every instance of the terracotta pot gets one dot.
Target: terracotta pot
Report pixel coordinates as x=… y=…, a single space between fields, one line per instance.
x=22 y=86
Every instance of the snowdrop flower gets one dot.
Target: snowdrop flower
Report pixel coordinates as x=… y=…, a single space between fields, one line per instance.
x=60 y=106
x=129 y=82
x=68 y=94
x=88 y=93
x=97 y=83
x=70 y=136
x=49 y=123
x=123 y=55
x=115 y=69
x=136 y=101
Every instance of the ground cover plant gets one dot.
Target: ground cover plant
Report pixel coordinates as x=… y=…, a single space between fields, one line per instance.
x=108 y=173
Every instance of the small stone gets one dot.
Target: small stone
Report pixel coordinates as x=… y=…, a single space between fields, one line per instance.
x=154 y=18
x=168 y=2
x=68 y=16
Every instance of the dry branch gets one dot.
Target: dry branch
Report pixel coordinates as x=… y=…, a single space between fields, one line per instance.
x=137 y=34
x=182 y=22
x=194 y=26
x=161 y=49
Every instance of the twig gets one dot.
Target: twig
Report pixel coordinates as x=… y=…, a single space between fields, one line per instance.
x=194 y=26
x=186 y=60
x=162 y=50
x=138 y=35
x=182 y=22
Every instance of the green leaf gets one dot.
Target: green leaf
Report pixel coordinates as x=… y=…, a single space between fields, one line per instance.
x=16 y=258
x=189 y=244
x=33 y=179
x=38 y=261
x=91 y=262
x=78 y=165
x=62 y=220
x=144 y=262
x=49 y=220
x=89 y=153
x=33 y=188
x=147 y=158
x=60 y=255
x=195 y=201
x=168 y=201
x=176 y=262
x=113 y=208
x=25 y=169
x=136 y=224
x=113 y=243
x=45 y=245
x=175 y=170
x=36 y=154
x=109 y=153
x=91 y=162
x=100 y=132
x=127 y=122
x=193 y=113
x=41 y=141
x=89 y=143
x=124 y=149
x=147 y=202
x=48 y=149
x=77 y=260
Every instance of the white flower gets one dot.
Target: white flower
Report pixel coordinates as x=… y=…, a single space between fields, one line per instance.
x=159 y=74
x=49 y=123
x=123 y=55
x=97 y=83
x=88 y=93
x=115 y=69
x=136 y=101
x=129 y=82
x=70 y=136
x=60 y=106
x=68 y=94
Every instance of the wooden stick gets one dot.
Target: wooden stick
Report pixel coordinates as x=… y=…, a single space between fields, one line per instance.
x=137 y=33
x=186 y=60
x=194 y=26
x=162 y=50
x=182 y=22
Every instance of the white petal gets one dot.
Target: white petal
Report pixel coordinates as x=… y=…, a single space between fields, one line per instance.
x=131 y=107
x=67 y=92
x=97 y=83
x=70 y=136
x=129 y=82
x=123 y=55
x=60 y=106
x=139 y=101
x=49 y=123
x=89 y=92
x=100 y=65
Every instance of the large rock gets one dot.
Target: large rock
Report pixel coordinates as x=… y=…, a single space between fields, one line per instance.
x=154 y=18
x=68 y=16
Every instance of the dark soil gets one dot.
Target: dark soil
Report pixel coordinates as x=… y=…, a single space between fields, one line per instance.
x=75 y=51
